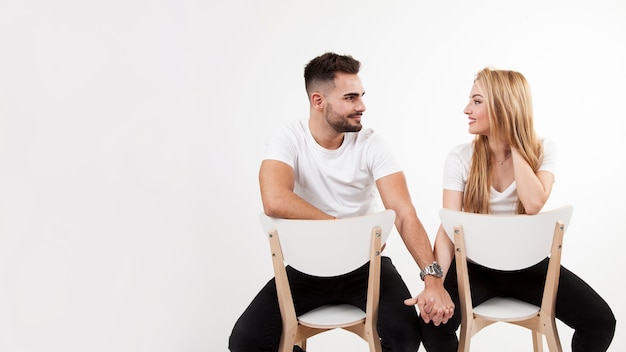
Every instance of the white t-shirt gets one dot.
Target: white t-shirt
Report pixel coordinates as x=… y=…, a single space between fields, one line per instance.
x=456 y=171
x=339 y=182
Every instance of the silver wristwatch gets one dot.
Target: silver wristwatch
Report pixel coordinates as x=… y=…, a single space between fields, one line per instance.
x=433 y=269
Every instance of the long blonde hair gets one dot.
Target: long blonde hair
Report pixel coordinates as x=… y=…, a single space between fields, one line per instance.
x=509 y=109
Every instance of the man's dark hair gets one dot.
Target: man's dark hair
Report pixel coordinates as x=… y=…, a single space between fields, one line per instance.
x=322 y=69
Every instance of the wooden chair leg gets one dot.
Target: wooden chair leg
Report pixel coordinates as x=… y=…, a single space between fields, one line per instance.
x=287 y=341
x=554 y=344
x=537 y=341
x=374 y=343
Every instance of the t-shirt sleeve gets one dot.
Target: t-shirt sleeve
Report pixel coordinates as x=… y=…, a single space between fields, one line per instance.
x=549 y=156
x=281 y=146
x=455 y=170
x=383 y=162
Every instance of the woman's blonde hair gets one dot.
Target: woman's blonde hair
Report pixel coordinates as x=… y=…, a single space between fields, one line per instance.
x=509 y=109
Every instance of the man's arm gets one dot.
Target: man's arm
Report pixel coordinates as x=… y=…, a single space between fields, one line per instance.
x=276 y=180
x=434 y=302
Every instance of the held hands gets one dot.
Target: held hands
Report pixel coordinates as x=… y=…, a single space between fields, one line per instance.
x=434 y=304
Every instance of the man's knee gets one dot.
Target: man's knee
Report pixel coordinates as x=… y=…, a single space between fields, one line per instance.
x=243 y=339
x=402 y=340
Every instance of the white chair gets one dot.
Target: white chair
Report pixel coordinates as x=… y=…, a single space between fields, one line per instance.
x=328 y=248
x=508 y=242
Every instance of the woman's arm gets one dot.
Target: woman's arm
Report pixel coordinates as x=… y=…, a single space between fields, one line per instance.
x=533 y=189
x=444 y=248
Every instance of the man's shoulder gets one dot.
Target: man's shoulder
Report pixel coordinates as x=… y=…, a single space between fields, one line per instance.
x=293 y=130
x=295 y=126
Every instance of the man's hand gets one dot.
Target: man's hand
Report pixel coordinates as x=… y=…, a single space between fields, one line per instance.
x=434 y=304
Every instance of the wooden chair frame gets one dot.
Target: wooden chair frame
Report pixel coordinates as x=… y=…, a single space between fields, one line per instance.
x=296 y=330
x=540 y=320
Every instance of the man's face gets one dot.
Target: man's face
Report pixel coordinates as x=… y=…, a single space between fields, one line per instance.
x=344 y=103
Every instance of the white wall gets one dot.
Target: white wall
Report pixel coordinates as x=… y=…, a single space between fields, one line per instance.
x=131 y=133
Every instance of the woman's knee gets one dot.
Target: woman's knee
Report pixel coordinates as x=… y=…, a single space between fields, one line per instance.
x=399 y=337
x=442 y=337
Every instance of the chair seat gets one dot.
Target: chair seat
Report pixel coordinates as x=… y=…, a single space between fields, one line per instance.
x=332 y=316
x=506 y=309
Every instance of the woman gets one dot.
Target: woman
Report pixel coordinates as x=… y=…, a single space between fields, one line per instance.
x=508 y=169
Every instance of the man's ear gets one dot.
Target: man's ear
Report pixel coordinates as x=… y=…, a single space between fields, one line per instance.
x=317 y=101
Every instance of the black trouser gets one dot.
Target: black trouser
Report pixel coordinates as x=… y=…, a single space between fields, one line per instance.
x=577 y=305
x=259 y=327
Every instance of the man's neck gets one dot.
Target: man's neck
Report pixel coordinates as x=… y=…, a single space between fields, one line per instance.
x=325 y=135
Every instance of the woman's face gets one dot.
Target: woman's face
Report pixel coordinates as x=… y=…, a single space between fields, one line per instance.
x=476 y=112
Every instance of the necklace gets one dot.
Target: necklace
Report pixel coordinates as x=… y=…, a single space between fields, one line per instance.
x=502 y=162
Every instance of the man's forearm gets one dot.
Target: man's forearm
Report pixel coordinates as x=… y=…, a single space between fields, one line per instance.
x=288 y=205
x=416 y=240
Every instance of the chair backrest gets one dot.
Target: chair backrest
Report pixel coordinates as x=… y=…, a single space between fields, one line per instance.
x=526 y=239
x=344 y=244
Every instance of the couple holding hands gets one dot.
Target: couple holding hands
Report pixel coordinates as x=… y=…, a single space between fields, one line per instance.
x=329 y=166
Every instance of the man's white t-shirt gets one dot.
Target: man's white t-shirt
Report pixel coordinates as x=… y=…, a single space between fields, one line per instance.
x=339 y=182
x=456 y=171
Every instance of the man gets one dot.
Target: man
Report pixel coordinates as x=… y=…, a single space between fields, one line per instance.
x=326 y=167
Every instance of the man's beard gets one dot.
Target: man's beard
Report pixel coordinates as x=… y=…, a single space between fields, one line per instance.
x=341 y=123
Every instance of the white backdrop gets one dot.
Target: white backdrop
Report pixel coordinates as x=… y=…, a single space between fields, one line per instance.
x=131 y=133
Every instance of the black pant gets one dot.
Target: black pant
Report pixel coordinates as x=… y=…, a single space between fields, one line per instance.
x=259 y=327
x=577 y=305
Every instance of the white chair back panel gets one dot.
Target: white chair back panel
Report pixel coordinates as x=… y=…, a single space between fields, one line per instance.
x=527 y=238
x=343 y=243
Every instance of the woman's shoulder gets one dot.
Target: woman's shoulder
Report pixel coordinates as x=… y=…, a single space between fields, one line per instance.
x=460 y=156
x=463 y=150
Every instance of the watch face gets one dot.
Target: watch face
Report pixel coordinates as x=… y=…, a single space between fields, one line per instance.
x=437 y=269
x=432 y=269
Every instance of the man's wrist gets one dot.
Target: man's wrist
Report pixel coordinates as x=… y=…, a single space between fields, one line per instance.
x=433 y=280
x=433 y=269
